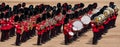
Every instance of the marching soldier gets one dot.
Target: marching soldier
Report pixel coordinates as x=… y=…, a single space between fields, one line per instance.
x=66 y=30
x=19 y=29
x=12 y=31
x=66 y=40
x=25 y=35
x=95 y=33
x=3 y=30
x=39 y=34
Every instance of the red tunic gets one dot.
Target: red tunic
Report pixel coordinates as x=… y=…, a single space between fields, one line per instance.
x=51 y=27
x=101 y=27
x=114 y=17
x=107 y=21
x=94 y=28
x=9 y=25
x=18 y=28
x=38 y=29
x=3 y=25
x=25 y=26
x=66 y=30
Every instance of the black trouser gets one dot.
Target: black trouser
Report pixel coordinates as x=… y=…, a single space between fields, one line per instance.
x=75 y=35
x=66 y=39
x=95 y=37
x=24 y=37
x=44 y=37
x=3 y=35
x=105 y=28
x=12 y=32
x=113 y=22
x=32 y=32
x=52 y=33
x=27 y=35
x=18 y=39
x=58 y=29
x=6 y=34
x=48 y=34
x=39 y=40
x=100 y=34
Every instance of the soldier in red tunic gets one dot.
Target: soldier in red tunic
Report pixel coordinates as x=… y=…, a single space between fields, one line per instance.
x=40 y=33
x=3 y=30
x=12 y=31
x=66 y=30
x=95 y=33
x=18 y=33
x=25 y=35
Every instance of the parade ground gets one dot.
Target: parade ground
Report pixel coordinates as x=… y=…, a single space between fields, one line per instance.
x=110 y=39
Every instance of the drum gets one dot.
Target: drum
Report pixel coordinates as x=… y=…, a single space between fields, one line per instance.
x=74 y=28
x=116 y=9
x=102 y=16
x=98 y=19
x=85 y=20
x=77 y=25
x=111 y=10
x=106 y=13
x=71 y=33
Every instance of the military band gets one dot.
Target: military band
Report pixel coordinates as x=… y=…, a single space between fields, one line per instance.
x=45 y=21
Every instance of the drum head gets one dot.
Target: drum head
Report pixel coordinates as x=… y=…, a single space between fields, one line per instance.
x=102 y=16
x=106 y=13
x=85 y=20
x=71 y=33
x=77 y=25
x=98 y=19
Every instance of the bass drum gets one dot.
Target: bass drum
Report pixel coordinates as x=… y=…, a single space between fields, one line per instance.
x=77 y=25
x=85 y=20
